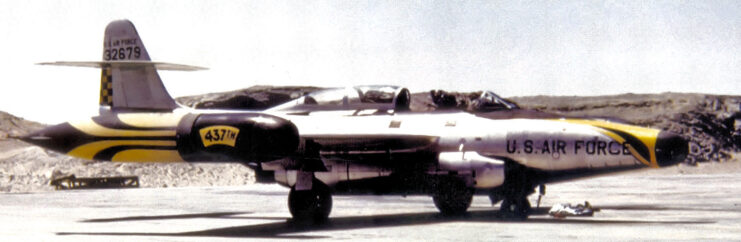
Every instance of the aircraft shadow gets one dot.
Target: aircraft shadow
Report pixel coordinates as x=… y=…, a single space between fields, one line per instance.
x=662 y=208
x=163 y=217
x=288 y=229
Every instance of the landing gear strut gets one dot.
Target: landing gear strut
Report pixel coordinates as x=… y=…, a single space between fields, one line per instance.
x=515 y=207
x=513 y=193
x=310 y=205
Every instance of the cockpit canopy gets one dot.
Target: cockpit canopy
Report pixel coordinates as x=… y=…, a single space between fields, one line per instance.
x=374 y=97
x=490 y=101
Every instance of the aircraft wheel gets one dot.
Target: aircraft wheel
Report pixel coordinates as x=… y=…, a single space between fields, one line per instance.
x=310 y=205
x=517 y=208
x=495 y=198
x=453 y=197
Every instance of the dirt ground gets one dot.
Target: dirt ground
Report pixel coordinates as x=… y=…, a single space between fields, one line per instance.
x=678 y=203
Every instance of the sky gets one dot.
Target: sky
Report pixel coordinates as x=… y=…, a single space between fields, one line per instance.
x=515 y=48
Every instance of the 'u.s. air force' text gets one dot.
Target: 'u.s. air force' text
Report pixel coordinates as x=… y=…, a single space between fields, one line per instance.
x=589 y=147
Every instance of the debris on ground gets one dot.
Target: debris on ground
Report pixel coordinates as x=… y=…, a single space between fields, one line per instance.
x=563 y=210
x=72 y=182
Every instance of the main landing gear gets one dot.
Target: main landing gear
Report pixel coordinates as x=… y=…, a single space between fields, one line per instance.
x=514 y=203
x=310 y=205
x=515 y=207
x=513 y=193
x=452 y=197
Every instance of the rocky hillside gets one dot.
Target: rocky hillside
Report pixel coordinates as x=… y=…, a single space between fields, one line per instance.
x=12 y=126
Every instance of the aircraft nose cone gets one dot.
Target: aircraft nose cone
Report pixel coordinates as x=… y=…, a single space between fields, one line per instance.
x=670 y=149
x=60 y=138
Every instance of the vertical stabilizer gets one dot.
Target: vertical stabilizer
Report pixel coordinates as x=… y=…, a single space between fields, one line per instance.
x=129 y=80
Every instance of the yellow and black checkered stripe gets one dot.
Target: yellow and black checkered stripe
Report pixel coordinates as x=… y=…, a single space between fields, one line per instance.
x=106 y=86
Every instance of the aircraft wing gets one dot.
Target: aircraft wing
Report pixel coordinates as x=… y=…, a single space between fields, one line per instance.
x=376 y=150
x=98 y=64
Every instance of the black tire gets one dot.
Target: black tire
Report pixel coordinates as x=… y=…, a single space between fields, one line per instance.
x=516 y=208
x=495 y=198
x=310 y=205
x=452 y=197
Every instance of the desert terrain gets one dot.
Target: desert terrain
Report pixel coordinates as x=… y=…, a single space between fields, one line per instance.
x=678 y=203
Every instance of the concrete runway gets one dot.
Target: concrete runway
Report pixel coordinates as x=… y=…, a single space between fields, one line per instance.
x=637 y=206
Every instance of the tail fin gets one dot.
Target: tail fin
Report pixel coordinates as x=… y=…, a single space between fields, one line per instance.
x=131 y=87
x=129 y=78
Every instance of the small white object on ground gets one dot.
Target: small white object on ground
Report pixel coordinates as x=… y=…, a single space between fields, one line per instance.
x=563 y=210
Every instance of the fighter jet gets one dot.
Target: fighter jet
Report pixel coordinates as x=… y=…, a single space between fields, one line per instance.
x=360 y=140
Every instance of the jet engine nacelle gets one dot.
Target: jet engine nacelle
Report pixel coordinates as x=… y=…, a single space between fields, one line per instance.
x=486 y=172
x=248 y=137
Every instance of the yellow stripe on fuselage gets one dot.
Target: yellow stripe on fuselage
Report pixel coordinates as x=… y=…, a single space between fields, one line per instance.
x=646 y=135
x=89 y=127
x=151 y=120
x=89 y=150
x=144 y=155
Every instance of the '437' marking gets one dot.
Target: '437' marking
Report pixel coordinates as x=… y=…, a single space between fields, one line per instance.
x=219 y=135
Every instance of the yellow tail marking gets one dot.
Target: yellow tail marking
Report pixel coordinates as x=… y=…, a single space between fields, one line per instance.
x=91 y=128
x=646 y=135
x=151 y=120
x=144 y=155
x=106 y=87
x=89 y=150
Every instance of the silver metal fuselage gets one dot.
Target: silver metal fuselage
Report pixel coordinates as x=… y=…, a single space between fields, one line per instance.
x=355 y=148
x=546 y=145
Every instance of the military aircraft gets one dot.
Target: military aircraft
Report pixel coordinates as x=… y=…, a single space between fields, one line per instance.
x=360 y=140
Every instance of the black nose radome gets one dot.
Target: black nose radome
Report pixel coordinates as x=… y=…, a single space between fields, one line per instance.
x=670 y=149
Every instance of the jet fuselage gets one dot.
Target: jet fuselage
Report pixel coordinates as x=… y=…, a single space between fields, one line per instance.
x=350 y=147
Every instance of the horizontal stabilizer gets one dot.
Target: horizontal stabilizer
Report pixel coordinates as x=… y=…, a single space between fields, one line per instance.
x=99 y=64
